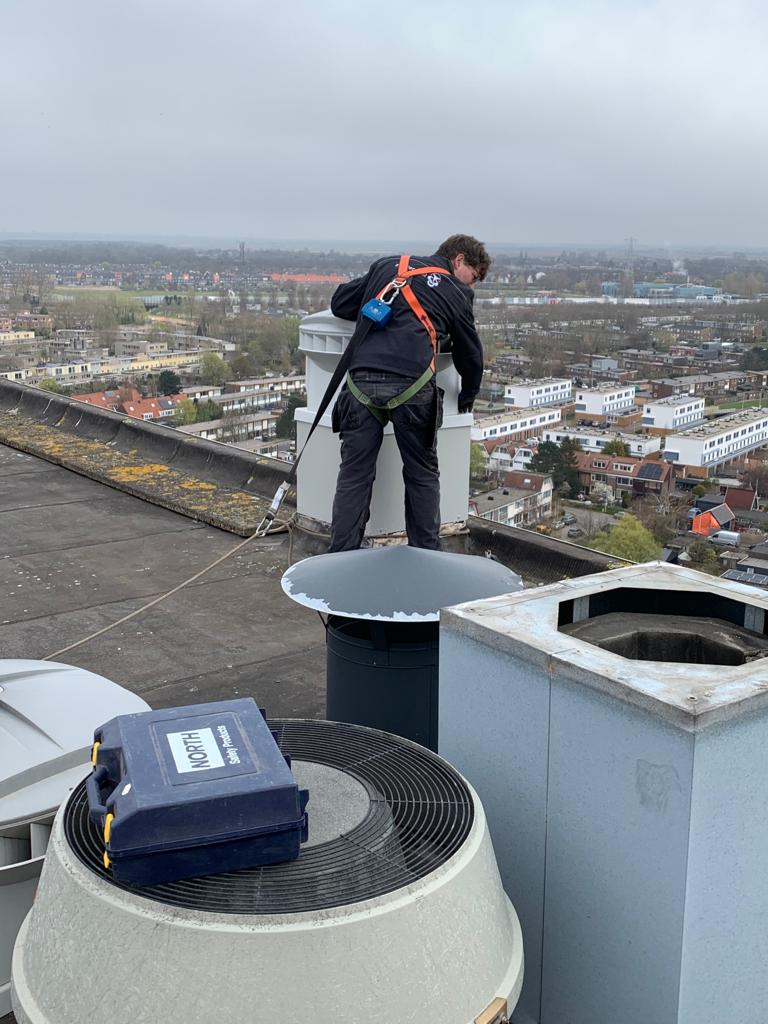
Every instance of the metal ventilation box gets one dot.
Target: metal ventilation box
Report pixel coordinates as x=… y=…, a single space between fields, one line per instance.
x=615 y=727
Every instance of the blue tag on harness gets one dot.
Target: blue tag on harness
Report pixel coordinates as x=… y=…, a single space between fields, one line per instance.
x=377 y=311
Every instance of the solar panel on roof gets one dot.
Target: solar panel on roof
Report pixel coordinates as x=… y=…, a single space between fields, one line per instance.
x=650 y=471
x=758 y=579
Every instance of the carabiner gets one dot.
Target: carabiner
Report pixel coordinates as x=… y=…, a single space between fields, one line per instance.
x=393 y=287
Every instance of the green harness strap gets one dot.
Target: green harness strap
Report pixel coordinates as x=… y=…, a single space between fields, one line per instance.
x=381 y=412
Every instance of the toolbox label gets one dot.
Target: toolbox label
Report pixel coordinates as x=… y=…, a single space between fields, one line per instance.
x=233 y=754
x=195 y=750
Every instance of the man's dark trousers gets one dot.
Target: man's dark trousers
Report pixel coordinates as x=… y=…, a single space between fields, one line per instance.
x=415 y=425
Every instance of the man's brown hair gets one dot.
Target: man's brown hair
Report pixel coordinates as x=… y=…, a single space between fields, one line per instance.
x=475 y=252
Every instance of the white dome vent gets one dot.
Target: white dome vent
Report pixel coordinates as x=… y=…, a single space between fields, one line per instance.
x=394 y=910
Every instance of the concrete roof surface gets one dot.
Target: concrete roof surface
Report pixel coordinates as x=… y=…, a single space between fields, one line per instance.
x=77 y=555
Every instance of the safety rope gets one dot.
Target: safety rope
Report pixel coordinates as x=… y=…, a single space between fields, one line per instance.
x=261 y=532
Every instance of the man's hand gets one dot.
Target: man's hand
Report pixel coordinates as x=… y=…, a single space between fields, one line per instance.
x=465 y=407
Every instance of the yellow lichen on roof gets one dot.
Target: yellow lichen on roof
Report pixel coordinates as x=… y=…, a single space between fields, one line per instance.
x=230 y=509
x=124 y=474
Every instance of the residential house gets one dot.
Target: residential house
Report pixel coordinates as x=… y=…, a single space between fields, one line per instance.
x=111 y=399
x=235 y=429
x=752 y=568
x=498 y=506
x=152 y=408
x=539 y=487
x=668 y=415
x=623 y=474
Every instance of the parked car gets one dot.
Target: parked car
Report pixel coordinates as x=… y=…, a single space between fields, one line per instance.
x=569 y=518
x=724 y=538
x=575 y=531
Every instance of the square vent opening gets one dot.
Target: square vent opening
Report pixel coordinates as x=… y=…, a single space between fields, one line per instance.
x=696 y=628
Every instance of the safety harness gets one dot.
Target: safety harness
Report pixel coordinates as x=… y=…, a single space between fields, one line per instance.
x=375 y=313
x=399 y=285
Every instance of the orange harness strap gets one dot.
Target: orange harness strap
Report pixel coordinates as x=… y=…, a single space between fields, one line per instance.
x=401 y=282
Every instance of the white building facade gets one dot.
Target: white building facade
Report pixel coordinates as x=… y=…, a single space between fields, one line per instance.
x=515 y=425
x=530 y=394
x=595 y=440
x=719 y=441
x=604 y=400
x=674 y=413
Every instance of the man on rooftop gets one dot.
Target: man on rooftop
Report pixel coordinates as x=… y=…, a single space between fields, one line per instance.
x=392 y=378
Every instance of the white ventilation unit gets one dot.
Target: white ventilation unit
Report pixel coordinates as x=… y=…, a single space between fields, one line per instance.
x=615 y=729
x=48 y=713
x=393 y=912
x=322 y=338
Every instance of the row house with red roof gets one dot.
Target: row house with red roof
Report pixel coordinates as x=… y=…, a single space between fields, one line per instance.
x=131 y=402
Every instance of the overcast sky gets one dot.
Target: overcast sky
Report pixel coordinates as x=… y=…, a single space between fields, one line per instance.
x=515 y=120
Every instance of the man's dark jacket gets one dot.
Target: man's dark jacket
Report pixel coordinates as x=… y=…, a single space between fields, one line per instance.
x=403 y=346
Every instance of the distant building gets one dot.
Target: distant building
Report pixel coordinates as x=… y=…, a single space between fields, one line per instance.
x=12 y=336
x=235 y=429
x=604 y=403
x=132 y=403
x=270 y=382
x=718 y=518
x=623 y=474
x=137 y=346
x=151 y=408
x=529 y=394
x=603 y=364
x=198 y=391
x=718 y=441
x=503 y=458
x=741 y=498
x=514 y=425
x=33 y=321
x=523 y=501
x=667 y=415
x=640 y=445
x=710 y=385
x=664 y=290
x=111 y=399
x=752 y=569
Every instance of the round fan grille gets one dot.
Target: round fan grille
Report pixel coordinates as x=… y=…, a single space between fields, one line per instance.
x=420 y=814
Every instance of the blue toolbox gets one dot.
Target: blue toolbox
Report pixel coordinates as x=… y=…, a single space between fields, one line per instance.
x=193 y=791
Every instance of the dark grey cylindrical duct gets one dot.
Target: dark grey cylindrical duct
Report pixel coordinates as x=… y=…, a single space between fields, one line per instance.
x=383 y=607
x=384 y=675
